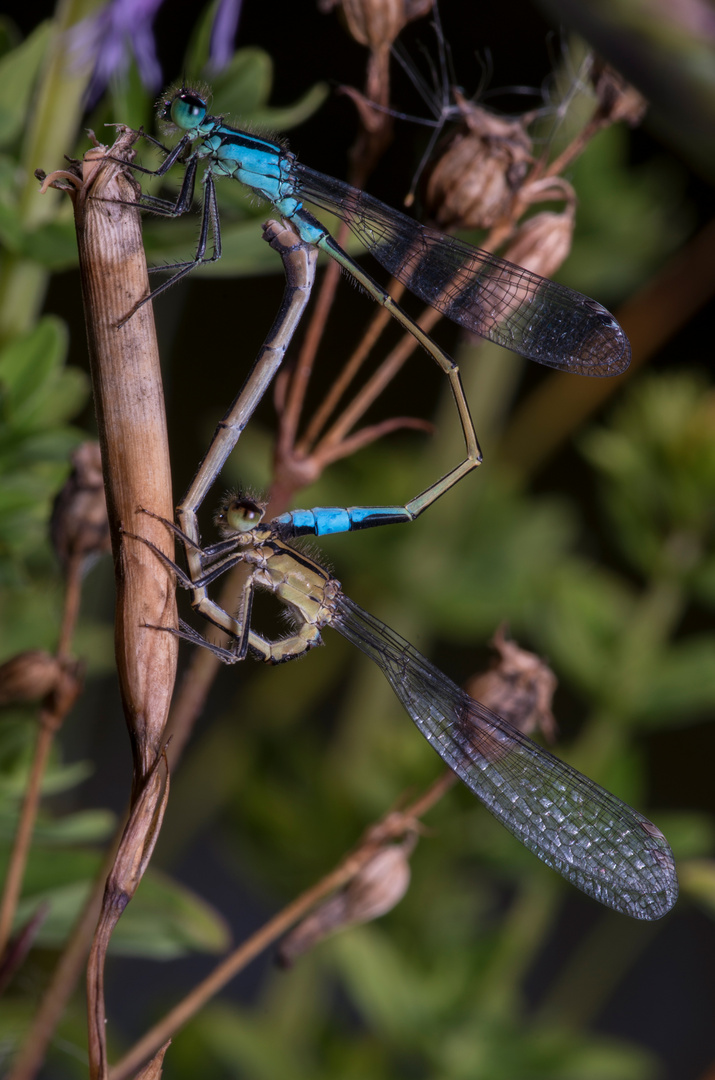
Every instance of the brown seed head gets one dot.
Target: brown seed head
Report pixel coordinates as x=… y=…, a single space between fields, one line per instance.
x=376 y=23
x=79 y=527
x=543 y=242
x=520 y=687
x=617 y=99
x=374 y=891
x=479 y=170
x=28 y=676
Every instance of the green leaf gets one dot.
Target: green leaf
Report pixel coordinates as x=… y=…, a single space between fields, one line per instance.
x=167 y=920
x=244 y=85
x=242 y=89
x=18 y=71
x=54 y=245
x=283 y=119
x=128 y=102
x=197 y=54
x=244 y=251
x=244 y=1044
x=84 y=827
x=389 y=991
x=57 y=779
x=27 y=362
x=690 y=834
x=11 y=231
x=37 y=396
x=697 y=879
x=657 y=460
x=9 y=35
x=164 y=920
x=681 y=684
x=51 y=868
x=629 y=218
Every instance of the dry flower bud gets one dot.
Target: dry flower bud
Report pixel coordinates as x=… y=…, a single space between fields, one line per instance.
x=79 y=527
x=543 y=242
x=29 y=676
x=376 y=23
x=617 y=99
x=520 y=687
x=374 y=891
x=153 y=1070
x=480 y=169
x=65 y=693
x=20 y=944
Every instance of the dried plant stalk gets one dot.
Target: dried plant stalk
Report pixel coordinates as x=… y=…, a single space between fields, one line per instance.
x=129 y=402
x=126 y=379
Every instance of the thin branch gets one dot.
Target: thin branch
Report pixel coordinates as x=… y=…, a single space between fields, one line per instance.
x=320 y=417
x=367 y=435
x=65 y=977
x=378 y=382
x=23 y=837
x=392 y=826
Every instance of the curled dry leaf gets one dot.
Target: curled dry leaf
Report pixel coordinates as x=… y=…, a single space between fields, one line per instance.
x=154 y=1069
x=478 y=170
x=29 y=676
x=21 y=943
x=617 y=99
x=79 y=527
x=543 y=243
x=375 y=890
x=520 y=687
x=376 y=23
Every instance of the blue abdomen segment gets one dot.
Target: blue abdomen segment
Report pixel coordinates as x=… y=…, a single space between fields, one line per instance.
x=326 y=520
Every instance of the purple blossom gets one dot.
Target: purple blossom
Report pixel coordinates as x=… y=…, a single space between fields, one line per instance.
x=123 y=29
x=224 y=32
x=109 y=38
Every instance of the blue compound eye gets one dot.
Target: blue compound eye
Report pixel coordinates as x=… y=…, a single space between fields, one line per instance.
x=188 y=110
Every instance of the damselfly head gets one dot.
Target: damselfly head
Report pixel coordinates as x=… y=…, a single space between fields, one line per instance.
x=184 y=107
x=239 y=513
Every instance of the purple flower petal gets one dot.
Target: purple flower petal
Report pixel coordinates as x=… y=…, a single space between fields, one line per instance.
x=224 y=32
x=110 y=38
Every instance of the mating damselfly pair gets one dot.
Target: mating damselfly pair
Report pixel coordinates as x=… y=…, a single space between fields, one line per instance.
x=593 y=839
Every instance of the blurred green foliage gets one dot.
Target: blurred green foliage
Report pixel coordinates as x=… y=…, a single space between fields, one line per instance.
x=297 y=760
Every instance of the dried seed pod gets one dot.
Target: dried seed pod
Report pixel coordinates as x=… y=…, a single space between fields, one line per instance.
x=79 y=527
x=28 y=676
x=520 y=687
x=543 y=242
x=617 y=99
x=479 y=170
x=374 y=891
x=376 y=23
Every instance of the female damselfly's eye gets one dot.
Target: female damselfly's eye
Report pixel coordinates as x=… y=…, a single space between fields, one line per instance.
x=188 y=110
x=243 y=515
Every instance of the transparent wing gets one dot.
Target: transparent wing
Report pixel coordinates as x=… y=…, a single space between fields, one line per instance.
x=593 y=839
x=489 y=296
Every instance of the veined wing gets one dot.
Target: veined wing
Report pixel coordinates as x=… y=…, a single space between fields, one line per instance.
x=489 y=296
x=593 y=839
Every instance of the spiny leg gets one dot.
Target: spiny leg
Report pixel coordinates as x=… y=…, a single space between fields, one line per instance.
x=238 y=627
x=210 y=224
x=473 y=457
